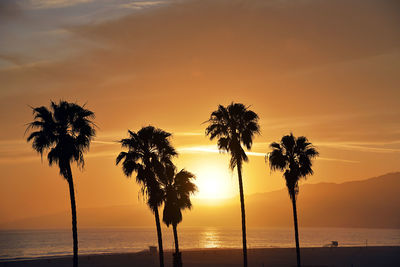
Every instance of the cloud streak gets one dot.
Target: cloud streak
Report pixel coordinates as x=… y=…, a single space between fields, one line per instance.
x=362 y=146
x=210 y=149
x=49 y=4
x=18 y=150
x=142 y=4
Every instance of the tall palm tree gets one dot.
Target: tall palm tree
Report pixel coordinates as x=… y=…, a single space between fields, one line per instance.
x=65 y=131
x=234 y=126
x=149 y=150
x=293 y=156
x=177 y=187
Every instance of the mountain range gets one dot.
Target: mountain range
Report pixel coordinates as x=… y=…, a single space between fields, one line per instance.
x=370 y=203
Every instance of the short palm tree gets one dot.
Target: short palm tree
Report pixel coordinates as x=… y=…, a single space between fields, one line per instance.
x=293 y=156
x=177 y=187
x=149 y=150
x=234 y=126
x=65 y=131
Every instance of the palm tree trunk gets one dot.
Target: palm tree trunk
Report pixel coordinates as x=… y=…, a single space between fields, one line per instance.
x=239 y=168
x=296 y=230
x=159 y=236
x=73 y=211
x=177 y=255
x=176 y=239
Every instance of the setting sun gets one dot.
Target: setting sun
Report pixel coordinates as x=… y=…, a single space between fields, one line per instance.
x=214 y=182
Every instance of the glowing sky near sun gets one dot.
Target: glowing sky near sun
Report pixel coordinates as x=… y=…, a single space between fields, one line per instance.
x=325 y=69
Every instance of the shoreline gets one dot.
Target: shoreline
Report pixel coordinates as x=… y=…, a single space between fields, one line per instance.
x=207 y=257
x=48 y=257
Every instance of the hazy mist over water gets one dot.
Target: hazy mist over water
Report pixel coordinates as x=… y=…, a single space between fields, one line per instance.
x=19 y=244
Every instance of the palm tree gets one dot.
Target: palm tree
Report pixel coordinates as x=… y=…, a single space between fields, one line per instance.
x=177 y=187
x=149 y=150
x=65 y=131
x=293 y=156
x=233 y=126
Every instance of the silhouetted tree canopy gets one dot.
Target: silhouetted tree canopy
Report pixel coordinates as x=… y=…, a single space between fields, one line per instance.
x=148 y=151
x=65 y=131
x=293 y=156
x=178 y=187
x=233 y=126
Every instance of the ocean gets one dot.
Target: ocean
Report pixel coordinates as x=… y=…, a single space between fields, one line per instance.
x=27 y=244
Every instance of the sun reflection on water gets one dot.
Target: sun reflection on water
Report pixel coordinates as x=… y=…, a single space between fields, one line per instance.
x=210 y=238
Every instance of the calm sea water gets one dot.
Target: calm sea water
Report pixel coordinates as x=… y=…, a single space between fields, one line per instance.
x=21 y=244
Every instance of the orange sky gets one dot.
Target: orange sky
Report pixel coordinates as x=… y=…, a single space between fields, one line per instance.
x=329 y=70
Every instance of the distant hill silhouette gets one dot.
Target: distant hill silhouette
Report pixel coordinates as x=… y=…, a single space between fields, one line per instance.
x=371 y=203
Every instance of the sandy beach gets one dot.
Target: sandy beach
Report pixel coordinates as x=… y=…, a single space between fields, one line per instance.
x=341 y=256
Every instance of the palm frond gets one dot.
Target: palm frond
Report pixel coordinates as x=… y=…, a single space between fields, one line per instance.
x=65 y=130
x=223 y=144
x=293 y=156
x=232 y=126
x=235 y=161
x=275 y=145
x=149 y=151
x=177 y=195
x=288 y=142
x=277 y=160
x=311 y=152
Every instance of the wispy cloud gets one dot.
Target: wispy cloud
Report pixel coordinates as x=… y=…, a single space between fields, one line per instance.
x=128 y=4
x=212 y=149
x=141 y=4
x=105 y=142
x=319 y=119
x=376 y=147
x=188 y=134
x=362 y=146
x=47 y=4
x=339 y=160
x=17 y=149
x=102 y=154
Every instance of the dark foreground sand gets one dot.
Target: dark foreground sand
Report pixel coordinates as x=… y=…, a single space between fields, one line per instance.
x=342 y=256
